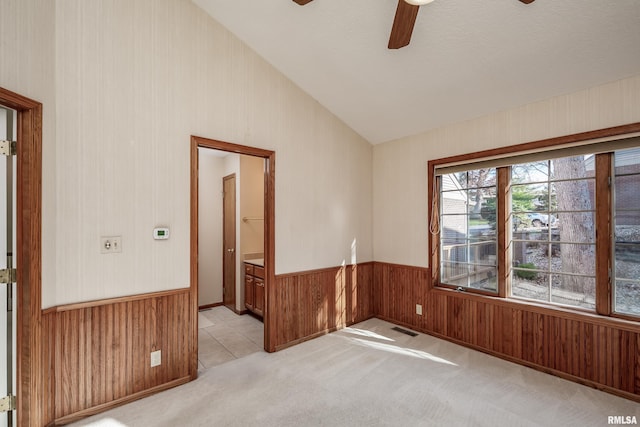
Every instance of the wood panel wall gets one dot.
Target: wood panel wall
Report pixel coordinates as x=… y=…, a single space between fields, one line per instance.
x=312 y=303
x=600 y=352
x=98 y=354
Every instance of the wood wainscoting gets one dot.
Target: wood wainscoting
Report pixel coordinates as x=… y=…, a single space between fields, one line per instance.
x=97 y=354
x=313 y=303
x=603 y=353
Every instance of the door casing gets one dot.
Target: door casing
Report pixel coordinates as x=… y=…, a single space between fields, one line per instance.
x=32 y=399
x=8 y=317
x=269 y=239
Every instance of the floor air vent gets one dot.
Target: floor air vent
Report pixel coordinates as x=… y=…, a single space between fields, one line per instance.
x=405 y=331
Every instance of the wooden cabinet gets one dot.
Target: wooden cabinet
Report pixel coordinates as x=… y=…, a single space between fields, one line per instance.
x=254 y=288
x=258 y=293
x=248 y=289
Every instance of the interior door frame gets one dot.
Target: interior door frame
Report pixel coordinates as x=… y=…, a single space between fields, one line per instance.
x=224 y=243
x=30 y=396
x=269 y=238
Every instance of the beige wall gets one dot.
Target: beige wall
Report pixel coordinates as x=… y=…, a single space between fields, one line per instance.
x=400 y=167
x=251 y=205
x=27 y=32
x=210 y=173
x=134 y=79
x=125 y=83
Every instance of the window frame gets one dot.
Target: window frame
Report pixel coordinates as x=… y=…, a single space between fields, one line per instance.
x=550 y=181
x=603 y=215
x=467 y=236
x=613 y=242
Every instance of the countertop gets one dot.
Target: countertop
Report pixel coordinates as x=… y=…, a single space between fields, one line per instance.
x=256 y=261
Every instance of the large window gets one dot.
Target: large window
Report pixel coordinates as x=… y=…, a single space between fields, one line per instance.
x=559 y=225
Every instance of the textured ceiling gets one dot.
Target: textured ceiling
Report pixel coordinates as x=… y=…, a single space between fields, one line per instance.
x=467 y=58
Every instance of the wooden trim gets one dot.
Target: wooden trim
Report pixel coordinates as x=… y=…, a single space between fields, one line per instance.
x=119 y=402
x=537 y=145
x=627 y=317
x=603 y=241
x=603 y=211
x=269 y=236
x=47 y=311
x=410 y=287
x=547 y=370
x=30 y=370
x=307 y=338
x=405 y=325
x=317 y=301
x=548 y=310
x=208 y=306
x=98 y=355
x=503 y=225
x=231 y=147
x=598 y=351
x=474 y=291
x=193 y=263
x=110 y=301
x=16 y=101
x=323 y=270
x=405 y=266
x=414 y=268
x=270 y=314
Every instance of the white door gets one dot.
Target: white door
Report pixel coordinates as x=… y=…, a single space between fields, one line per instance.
x=8 y=298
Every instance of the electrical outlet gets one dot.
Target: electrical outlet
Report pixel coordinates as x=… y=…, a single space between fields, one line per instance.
x=419 y=309
x=156 y=358
x=110 y=244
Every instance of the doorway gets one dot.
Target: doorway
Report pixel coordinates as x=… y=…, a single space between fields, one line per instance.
x=268 y=217
x=8 y=308
x=30 y=393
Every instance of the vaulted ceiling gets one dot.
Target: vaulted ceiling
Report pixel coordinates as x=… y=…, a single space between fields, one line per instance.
x=467 y=58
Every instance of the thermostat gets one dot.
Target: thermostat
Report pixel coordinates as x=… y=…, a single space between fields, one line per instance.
x=161 y=233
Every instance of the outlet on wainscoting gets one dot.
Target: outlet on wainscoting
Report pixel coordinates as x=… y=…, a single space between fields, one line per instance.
x=419 y=309
x=156 y=358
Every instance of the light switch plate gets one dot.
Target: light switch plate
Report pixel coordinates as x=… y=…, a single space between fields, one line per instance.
x=110 y=244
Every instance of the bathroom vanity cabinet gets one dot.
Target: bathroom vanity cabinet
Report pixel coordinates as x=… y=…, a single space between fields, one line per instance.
x=254 y=286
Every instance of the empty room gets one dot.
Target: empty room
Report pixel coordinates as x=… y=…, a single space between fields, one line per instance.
x=319 y=212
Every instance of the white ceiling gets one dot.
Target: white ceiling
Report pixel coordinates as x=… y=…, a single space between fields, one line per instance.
x=467 y=58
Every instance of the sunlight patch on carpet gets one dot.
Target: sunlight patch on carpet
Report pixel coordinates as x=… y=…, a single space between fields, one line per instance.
x=365 y=333
x=402 y=351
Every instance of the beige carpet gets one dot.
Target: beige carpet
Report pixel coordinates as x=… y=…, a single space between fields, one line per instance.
x=370 y=375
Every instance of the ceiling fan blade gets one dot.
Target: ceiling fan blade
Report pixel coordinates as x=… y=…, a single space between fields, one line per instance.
x=303 y=2
x=403 y=25
x=527 y=1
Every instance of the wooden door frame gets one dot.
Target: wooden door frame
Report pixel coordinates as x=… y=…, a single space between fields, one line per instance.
x=235 y=242
x=269 y=238
x=30 y=396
